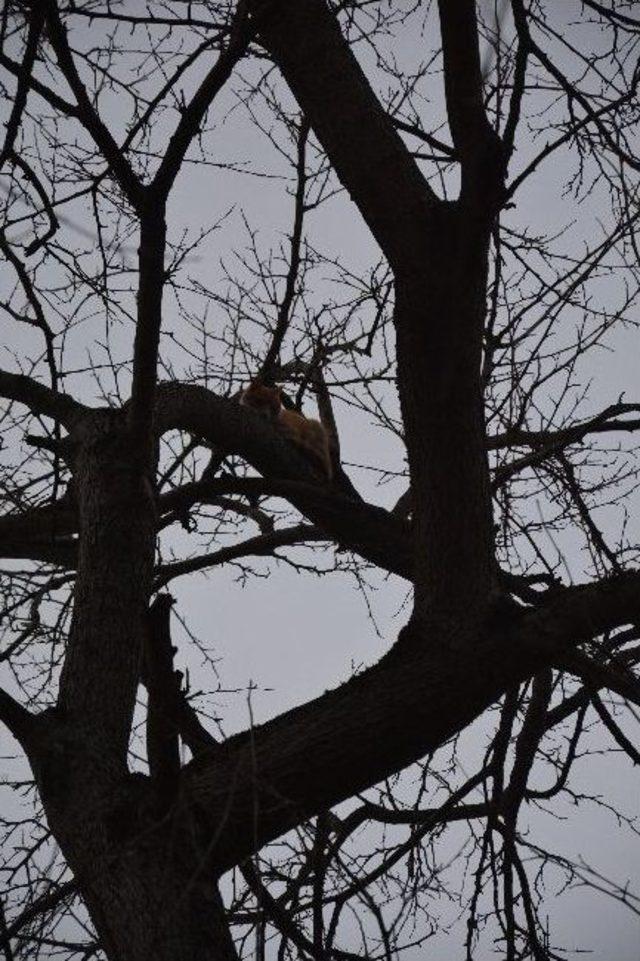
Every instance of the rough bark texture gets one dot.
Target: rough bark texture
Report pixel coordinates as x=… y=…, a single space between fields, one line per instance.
x=115 y=564
x=140 y=870
x=317 y=754
x=442 y=410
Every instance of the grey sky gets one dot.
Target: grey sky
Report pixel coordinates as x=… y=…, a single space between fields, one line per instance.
x=293 y=635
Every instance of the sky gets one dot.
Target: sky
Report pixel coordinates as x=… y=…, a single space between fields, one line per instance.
x=283 y=638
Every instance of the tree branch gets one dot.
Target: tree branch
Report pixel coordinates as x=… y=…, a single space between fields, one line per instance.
x=61 y=408
x=618 y=735
x=477 y=144
x=304 y=39
x=17 y=719
x=573 y=93
x=163 y=751
x=36 y=19
x=169 y=713
x=262 y=545
x=51 y=97
x=121 y=169
x=368 y=530
x=46 y=902
x=519 y=80
x=390 y=715
x=151 y=279
x=193 y=115
x=284 y=308
x=547 y=444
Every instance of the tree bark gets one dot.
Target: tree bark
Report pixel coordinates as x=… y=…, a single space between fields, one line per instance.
x=145 y=885
x=439 y=319
x=140 y=870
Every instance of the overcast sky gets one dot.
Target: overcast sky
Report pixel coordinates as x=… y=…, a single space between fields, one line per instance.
x=283 y=638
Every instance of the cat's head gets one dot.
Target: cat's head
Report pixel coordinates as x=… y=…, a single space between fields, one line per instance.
x=265 y=400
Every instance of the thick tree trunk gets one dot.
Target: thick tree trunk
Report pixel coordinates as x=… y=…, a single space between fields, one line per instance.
x=139 y=863
x=111 y=597
x=145 y=885
x=152 y=902
x=439 y=322
x=137 y=857
x=438 y=253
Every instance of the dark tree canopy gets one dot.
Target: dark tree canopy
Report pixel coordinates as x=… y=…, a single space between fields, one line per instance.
x=418 y=219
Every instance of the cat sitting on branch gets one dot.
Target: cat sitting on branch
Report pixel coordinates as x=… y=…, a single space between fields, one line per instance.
x=308 y=434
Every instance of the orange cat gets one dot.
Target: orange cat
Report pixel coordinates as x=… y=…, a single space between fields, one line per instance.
x=307 y=434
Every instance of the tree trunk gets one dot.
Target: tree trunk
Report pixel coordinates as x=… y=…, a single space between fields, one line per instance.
x=143 y=881
x=150 y=899
x=439 y=321
x=139 y=868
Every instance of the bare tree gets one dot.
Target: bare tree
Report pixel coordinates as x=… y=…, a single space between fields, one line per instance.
x=128 y=462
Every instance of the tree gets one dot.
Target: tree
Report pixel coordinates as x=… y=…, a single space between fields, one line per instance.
x=119 y=455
